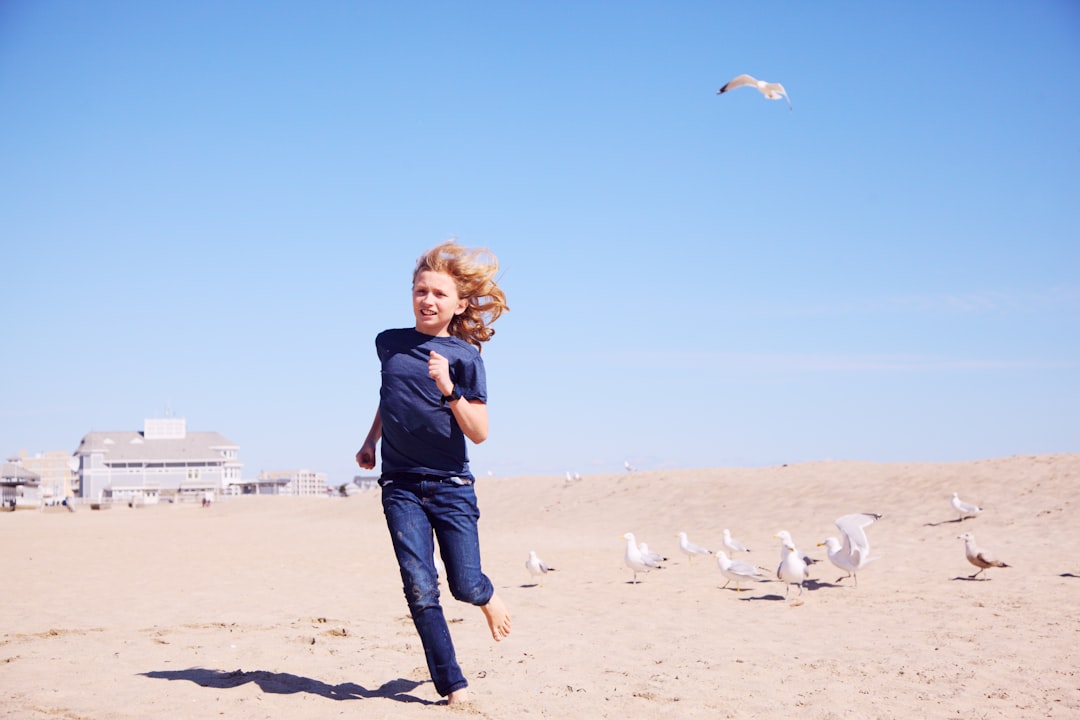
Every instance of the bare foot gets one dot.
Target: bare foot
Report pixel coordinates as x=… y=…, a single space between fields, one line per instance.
x=498 y=617
x=458 y=697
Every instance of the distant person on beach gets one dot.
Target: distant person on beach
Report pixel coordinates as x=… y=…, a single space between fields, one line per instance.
x=433 y=397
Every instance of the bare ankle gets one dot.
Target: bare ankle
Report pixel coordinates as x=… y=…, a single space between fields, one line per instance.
x=498 y=618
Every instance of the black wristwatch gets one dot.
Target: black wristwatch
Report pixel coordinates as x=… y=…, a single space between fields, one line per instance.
x=454 y=395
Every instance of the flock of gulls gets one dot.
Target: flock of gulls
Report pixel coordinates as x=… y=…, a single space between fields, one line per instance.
x=849 y=551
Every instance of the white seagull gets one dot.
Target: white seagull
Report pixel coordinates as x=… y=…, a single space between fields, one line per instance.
x=691 y=549
x=978 y=557
x=732 y=544
x=773 y=91
x=793 y=569
x=537 y=567
x=635 y=561
x=649 y=555
x=854 y=552
x=736 y=570
x=965 y=509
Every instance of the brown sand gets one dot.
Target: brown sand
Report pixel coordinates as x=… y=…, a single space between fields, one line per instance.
x=292 y=608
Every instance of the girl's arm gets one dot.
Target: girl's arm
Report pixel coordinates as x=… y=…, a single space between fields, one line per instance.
x=472 y=418
x=365 y=457
x=471 y=415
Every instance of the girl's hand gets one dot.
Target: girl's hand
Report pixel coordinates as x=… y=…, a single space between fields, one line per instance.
x=365 y=458
x=439 y=370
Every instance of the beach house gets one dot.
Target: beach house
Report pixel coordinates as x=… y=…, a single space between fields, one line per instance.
x=18 y=486
x=163 y=461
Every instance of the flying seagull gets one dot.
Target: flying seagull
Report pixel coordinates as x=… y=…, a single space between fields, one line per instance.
x=773 y=91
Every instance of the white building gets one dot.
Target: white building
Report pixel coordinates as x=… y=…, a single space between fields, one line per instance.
x=18 y=486
x=57 y=472
x=293 y=482
x=163 y=459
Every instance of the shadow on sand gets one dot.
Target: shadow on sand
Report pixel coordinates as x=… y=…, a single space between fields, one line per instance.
x=287 y=683
x=946 y=522
x=809 y=585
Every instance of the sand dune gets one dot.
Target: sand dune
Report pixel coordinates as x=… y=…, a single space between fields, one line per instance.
x=286 y=608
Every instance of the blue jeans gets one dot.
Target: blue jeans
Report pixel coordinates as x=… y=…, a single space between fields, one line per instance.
x=415 y=509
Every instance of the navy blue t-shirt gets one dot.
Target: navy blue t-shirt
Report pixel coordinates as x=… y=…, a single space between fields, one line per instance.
x=419 y=432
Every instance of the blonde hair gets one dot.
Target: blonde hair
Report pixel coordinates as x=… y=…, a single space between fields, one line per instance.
x=473 y=271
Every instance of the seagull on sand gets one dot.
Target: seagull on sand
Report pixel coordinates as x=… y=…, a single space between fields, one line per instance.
x=793 y=568
x=691 y=549
x=737 y=570
x=536 y=567
x=965 y=509
x=635 y=561
x=732 y=544
x=773 y=91
x=854 y=552
x=649 y=555
x=978 y=557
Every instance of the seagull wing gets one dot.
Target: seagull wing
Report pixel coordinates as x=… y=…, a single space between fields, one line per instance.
x=853 y=528
x=744 y=568
x=775 y=91
x=986 y=559
x=737 y=82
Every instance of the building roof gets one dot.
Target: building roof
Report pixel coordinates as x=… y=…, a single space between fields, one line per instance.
x=131 y=445
x=14 y=473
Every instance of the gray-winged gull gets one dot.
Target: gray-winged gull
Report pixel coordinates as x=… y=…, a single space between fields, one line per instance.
x=732 y=544
x=965 y=509
x=691 y=549
x=737 y=571
x=634 y=560
x=537 y=567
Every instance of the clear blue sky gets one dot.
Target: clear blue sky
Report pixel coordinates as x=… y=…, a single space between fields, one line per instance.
x=214 y=207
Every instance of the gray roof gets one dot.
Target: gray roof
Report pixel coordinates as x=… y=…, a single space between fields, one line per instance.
x=128 y=445
x=11 y=472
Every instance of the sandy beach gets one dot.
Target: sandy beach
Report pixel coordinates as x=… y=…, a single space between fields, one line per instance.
x=292 y=608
